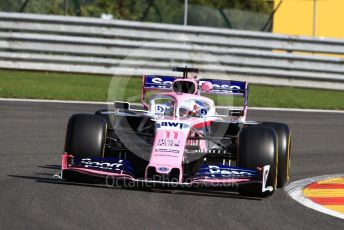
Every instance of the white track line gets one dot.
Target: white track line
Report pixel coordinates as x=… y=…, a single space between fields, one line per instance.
x=296 y=110
x=109 y=103
x=55 y=101
x=295 y=191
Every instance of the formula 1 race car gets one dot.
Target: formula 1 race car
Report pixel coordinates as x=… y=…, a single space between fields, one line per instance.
x=178 y=138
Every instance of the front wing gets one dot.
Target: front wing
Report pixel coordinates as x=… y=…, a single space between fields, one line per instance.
x=207 y=175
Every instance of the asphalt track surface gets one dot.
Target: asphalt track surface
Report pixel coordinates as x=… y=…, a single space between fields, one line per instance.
x=32 y=137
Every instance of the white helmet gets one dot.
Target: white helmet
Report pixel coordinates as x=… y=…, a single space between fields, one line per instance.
x=187 y=109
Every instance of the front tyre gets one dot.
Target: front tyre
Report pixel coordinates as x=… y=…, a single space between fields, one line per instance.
x=284 y=146
x=258 y=147
x=85 y=136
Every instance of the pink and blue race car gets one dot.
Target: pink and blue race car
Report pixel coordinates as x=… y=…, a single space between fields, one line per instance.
x=178 y=139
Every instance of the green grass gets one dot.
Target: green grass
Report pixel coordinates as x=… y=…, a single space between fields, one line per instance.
x=25 y=84
x=289 y=97
x=46 y=85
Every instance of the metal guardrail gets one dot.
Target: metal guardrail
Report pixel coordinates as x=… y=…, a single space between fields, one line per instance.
x=87 y=45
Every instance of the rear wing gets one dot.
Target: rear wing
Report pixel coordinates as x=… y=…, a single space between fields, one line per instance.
x=220 y=87
x=231 y=88
x=236 y=88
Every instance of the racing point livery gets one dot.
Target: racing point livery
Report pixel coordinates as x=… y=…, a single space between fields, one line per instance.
x=179 y=139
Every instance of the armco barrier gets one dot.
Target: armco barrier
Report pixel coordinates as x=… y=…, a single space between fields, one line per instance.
x=117 y=47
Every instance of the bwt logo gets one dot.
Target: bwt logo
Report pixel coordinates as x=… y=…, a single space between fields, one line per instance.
x=203 y=112
x=172 y=124
x=159 y=109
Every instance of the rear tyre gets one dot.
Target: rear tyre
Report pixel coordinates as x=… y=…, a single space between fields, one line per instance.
x=284 y=145
x=85 y=136
x=257 y=148
x=108 y=116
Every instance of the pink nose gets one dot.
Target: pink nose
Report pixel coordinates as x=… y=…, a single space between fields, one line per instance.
x=207 y=86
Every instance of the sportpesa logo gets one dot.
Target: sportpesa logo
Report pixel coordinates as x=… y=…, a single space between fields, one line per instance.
x=218 y=85
x=88 y=163
x=166 y=82
x=216 y=170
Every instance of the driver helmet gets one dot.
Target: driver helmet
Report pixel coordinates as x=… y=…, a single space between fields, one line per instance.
x=187 y=109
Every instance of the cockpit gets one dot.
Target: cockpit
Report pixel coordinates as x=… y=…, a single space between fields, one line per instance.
x=163 y=105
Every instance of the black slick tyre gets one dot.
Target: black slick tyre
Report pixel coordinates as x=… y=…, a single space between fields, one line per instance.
x=284 y=146
x=258 y=148
x=85 y=136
